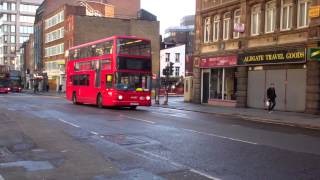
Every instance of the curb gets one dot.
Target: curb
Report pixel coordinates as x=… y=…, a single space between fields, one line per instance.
x=251 y=118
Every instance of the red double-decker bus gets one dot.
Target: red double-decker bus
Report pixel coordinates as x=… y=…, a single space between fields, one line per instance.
x=115 y=71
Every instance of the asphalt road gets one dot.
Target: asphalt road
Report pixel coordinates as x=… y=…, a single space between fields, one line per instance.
x=161 y=143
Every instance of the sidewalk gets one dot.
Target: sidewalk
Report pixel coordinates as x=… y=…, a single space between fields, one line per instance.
x=43 y=93
x=301 y=120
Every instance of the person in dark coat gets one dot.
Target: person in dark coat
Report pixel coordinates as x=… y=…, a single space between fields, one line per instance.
x=271 y=95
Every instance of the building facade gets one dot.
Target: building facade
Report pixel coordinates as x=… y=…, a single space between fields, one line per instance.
x=16 y=24
x=175 y=55
x=244 y=46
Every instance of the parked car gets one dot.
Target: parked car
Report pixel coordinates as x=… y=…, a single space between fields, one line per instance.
x=17 y=89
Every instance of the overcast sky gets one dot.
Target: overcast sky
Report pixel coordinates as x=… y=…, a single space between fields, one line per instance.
x=169 y=12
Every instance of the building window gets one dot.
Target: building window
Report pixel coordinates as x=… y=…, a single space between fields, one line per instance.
x=270 y=23
x=26 y=29
x=13 y=18
x=177 y=72
x=23 y=39
x=54 y=20
x=55 y=35
x=13 y=29
x=223 y=84
x=303 y=13
x=286 y=14
x=54 y=50
x=177 y=57
x=12 y=39
x=236 y=35
x=27 y=19
x=226 y=26
x=12 y=49
x=207 y=27
x=216 y=28
x=28 y=8
x=255 y=20
x=167 y=57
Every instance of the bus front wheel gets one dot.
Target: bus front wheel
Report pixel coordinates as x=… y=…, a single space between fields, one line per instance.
x=99 y=101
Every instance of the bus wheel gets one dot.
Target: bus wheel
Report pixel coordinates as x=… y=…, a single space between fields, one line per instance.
x=74 y=99
x=99 y=101
x=133 y=107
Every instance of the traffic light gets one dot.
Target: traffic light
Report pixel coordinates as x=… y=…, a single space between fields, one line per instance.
x=171 y=68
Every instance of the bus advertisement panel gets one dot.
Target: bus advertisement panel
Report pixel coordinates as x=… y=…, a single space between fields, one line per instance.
x=115 y=71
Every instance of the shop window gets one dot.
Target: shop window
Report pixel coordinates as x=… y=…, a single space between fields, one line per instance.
x=223 y=84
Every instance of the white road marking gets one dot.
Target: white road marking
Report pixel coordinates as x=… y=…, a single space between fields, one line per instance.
x=71 y=124
x=1 y=177
x=94 y=133
x=218 y=136
x=102 y=136
x=176 y=164
x=138 y=119
x=204 y=174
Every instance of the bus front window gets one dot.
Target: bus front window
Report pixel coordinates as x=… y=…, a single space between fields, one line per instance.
x=133 y=82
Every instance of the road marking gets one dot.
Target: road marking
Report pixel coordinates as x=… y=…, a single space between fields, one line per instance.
x=138 y=119
x=218 y=136
x=204 y=174
x=94 y=133
x=176 y=164
x=71 y=124
x=1 y=177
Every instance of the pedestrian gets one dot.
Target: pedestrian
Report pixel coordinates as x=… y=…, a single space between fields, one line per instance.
x=271 y=95
x=60 y=89
x=47 y=87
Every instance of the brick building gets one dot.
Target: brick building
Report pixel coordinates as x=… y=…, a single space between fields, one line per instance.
x=242 y=47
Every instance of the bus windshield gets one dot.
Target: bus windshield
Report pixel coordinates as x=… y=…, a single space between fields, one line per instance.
x=133 y=82
x=133 y=47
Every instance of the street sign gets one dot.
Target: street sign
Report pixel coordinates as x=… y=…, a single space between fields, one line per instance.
x=314 y=11
x=314 y=54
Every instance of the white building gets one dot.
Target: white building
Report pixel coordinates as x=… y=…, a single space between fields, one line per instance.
x=176 y=55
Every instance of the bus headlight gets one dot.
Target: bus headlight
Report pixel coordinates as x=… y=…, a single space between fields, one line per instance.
x=9 y=89
x=120 y=97
x=148 y=98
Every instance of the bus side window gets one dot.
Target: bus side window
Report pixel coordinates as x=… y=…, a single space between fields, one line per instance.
x=109 y=81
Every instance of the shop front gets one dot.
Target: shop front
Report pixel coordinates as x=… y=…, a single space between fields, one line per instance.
x=286 y=69
x=218 y=80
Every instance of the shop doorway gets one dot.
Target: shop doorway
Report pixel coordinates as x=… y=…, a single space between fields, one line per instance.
x=290 y=85
x=205 y=87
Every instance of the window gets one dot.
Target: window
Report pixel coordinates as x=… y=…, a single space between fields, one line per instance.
x=109 y=78
x=303 y=13
x=4 y=17
x=28 y=8
x=22 y=39
x=91 y=51
x=255 y=20
x=13 y=18
x=138 y=64
x=5 y=39
x=216 y=28
x=27 y=19
x=177 y=72
x=12 y=49
x=133 y=47
x=207 y=27
x=236 y=35
x=226 y=26
x=55 y=35
x=26 y=29
x=286 y=14
x=167 y=57
x=54 y=50
x=12 y=39
x=13 y=29
x=5 y=6
x=56 y=19
x=5 y=28
x=270 y=22
x=177 y=57
x=80 y=80
x=223 y=84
